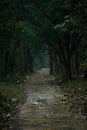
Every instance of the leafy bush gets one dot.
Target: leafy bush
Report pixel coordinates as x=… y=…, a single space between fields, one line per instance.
x=76 y=94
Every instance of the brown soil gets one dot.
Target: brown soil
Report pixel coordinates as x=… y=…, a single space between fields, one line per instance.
x=43 y=108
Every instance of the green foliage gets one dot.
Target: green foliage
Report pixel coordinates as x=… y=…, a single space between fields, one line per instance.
x=57 y=23
x=76 y=94
x=29 y=30
x=10 y=96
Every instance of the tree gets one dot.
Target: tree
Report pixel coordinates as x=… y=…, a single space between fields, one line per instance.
x=53 y=22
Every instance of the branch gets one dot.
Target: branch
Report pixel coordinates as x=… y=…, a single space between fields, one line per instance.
x=75 y=45
x=44 y=13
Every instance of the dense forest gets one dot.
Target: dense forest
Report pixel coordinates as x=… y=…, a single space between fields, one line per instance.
x=38 y=34
x=60 y=26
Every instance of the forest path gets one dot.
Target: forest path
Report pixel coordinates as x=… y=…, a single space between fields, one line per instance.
x=43 y=109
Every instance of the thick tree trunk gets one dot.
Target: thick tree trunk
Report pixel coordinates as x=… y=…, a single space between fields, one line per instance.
x=51 y=62
x=30 y=63
x=77 y=63
x=6 y=63
x=13 y=56
x=26 y=65
x=56 y=64
x=1 y=63
x=68 y=70
x=21 y=63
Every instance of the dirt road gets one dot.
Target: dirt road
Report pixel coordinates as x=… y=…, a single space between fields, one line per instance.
x=43 y=109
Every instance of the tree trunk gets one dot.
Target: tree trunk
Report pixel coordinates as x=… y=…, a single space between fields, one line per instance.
x=13 y=56
x=21 y=63
x=30 y=64
x=56 y=64
x=68 y=70
x=51 y=61
x=77 y=63
x=6 y=63
x=1 y=63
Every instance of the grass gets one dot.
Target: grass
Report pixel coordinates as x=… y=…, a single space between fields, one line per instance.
x=13 y=79
x=75 y=94
x=10 y=90
x=12 y=87
x=80 y=83
x=11 y=95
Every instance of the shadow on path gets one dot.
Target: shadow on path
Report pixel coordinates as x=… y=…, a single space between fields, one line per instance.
x=43 y=109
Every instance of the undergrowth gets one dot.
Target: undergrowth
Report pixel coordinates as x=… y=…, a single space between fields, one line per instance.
x=75 y=94
x=11 y=94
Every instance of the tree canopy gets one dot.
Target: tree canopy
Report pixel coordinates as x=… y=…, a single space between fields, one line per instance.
x=58 y=25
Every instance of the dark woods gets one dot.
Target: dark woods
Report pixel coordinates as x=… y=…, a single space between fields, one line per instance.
x=32 y=30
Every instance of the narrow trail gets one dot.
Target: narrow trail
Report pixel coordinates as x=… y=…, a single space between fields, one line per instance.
x=43 y=109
